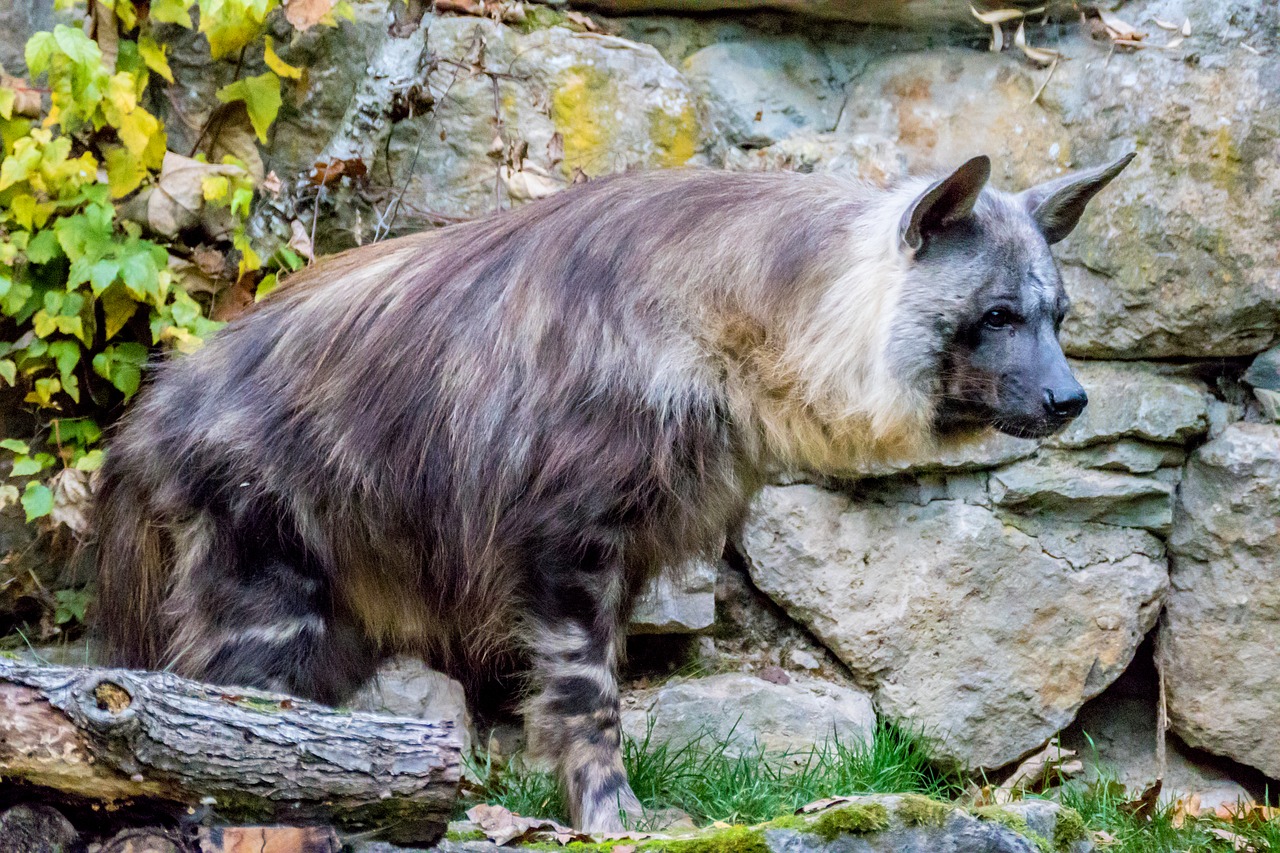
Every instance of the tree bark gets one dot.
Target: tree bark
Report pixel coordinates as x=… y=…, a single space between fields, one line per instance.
x=113 y=736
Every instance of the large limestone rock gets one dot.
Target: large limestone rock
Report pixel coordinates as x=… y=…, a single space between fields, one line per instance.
x=983 y=636
x=682 y=602
x=744 y=712
x=909 y=13
x=764 y=92
x=1219 y=637
x=1052 y=485
x=557 y=102
x=19 y=20
x=406 y=687
x=1178 y=256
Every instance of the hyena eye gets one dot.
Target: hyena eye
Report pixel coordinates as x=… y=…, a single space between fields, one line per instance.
x=997 y=318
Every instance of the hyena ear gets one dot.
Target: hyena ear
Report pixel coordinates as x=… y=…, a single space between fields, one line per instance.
x=1056 y=205
x=946 y=202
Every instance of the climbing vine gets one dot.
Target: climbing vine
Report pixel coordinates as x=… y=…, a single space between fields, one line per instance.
x=97 y=272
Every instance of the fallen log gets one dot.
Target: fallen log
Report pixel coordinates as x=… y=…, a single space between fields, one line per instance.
x=115 y=737
x=917 y=14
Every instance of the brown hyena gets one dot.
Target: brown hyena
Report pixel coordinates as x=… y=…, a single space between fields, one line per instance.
x=478 y=444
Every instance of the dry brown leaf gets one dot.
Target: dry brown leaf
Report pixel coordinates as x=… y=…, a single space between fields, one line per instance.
x=1184 y=808
x=1145 y=805
x=1102 y=838
x=1119 y=28
x=1237 y=842
x=530 y=183
x=194 y=279
x=176 y=202
x=71 y=500
x=305 y=14
x=300 y=241
x=1164 y=25
x=105 y=33
x=231 y=134
x=272 y=183
x=1000 y=16
x=1036 y=54
x=823 y=804
x=584 y=21
x=1036 y=770
x=323 y=174
x=502 y=826
x=26 y=100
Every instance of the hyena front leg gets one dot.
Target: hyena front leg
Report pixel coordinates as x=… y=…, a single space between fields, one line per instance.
x=574 y=720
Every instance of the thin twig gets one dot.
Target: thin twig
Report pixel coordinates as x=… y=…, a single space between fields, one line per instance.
x=1047 y=78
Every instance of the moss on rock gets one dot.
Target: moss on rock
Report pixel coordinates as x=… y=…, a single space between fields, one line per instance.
x=858 y=818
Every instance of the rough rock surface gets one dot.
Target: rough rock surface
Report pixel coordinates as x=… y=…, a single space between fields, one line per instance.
x=746 y=711
x=679 y=603
x=883 y=823
x=19 y=19
x=406 y=687
x=985 y=638
x=1219 y=637
x=1178 y=258
x=764 y=92
x=549 y=100
x=917 y=13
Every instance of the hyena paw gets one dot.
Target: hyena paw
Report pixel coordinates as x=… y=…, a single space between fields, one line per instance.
x=615 y=810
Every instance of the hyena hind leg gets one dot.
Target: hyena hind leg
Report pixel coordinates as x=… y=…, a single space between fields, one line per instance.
x=246 y=618
x=575 y=721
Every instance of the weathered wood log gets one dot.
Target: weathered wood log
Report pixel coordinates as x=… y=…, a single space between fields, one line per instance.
x=115 y=736
x=896 y=13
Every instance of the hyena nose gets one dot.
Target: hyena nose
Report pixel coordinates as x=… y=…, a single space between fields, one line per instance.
x=1065 y=403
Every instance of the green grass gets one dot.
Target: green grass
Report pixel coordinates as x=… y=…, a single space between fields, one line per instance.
x=1101 y=804
x=705 y=781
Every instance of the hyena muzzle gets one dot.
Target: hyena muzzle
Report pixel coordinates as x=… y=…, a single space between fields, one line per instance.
x=478 y=444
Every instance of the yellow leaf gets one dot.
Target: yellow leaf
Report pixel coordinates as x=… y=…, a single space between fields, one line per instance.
x=23 y=209
x=278 y=65
x=44 y=391
x=122 y=97
x=214 y=187
x=231 y=25
x=172 y=12
x=136 y=130
x=118 y=307
x=153 y=55
x=261 y=96
x=43 y=324
x=125 y=171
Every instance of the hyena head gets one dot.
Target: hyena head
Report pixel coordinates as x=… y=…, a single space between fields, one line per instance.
x=987 y=302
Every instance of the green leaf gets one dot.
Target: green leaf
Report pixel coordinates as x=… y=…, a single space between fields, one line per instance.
x=261 y=96
x=66 y=354
x=121 y=365
x=9 y=372
x=91 y=461
x=25 y=466
x=43 y=247
x=37 y=500
x=15 y=445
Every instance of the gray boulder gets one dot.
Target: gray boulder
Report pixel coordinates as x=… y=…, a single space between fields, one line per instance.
x=682 y=602
x=983 y=637
x=406 y=687
x=1052 y=485
x=744 y=712
x=1217 y=638
x=762 y=92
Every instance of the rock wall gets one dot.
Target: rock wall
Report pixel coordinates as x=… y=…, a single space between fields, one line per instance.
x=982 y=595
